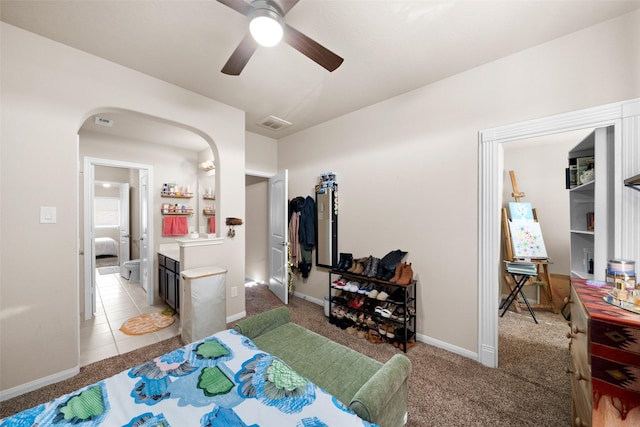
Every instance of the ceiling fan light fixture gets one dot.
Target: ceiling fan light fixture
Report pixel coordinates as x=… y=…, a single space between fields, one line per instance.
x=266 y=26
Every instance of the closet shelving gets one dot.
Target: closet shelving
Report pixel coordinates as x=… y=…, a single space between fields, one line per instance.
x=404 y=327
x=590 y=207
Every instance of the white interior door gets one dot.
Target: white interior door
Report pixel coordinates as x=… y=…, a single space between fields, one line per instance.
x=89 y=243
x=278 y=236
x=125 y=232
x=144 y=230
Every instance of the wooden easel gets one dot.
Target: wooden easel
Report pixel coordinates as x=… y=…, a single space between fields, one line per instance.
x=544 y=278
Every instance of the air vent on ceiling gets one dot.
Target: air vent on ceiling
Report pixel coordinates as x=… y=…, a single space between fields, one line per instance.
x=274 y=123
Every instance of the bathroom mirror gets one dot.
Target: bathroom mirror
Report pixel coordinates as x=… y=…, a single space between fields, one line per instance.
x=327 y=219
x=206 y=193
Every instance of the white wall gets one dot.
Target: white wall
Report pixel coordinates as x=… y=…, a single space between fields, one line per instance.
x=408 y=167
x=47 y=91
x=261 y=156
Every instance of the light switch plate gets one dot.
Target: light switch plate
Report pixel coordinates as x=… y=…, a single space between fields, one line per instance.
x=48 y=215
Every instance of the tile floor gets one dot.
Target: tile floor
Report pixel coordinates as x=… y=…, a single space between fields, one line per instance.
x=116 y=301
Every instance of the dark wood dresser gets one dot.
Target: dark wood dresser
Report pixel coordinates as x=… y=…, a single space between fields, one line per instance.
x=605 y=359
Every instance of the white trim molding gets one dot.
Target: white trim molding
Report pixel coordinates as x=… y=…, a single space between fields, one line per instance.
x=625 y=118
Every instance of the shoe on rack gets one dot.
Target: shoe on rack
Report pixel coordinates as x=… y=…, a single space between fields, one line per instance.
x=374 y=267
x=406 y=276
x=345 y=262
x=360 y=266
x=373 y=294
x=339 y=283
x=397 y=296
x=367 y=268
x=398 y=273
x=382 y=296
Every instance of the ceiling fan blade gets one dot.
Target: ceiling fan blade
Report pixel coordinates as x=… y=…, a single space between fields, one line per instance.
x=239 y=58
x=311 y=49
x=238 y=5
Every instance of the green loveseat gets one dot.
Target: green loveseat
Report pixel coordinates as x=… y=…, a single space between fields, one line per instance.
x=376 y=392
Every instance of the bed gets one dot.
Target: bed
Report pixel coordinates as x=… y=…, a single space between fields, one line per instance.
x=221 y=381
x=105 y=247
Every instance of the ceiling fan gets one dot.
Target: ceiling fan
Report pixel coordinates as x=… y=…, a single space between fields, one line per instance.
x=271 y=13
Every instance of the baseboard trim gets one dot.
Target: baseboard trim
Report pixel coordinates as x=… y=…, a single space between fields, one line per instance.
x=39 y=383
x=422 y=338
x=446 y=346
x=236 y=316
x=308 y=298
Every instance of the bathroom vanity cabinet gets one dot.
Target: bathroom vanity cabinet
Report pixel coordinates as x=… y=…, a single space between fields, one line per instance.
x=169 y=281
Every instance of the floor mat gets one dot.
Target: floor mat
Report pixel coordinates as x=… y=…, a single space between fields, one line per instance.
x=108 y=270
x=147 y=323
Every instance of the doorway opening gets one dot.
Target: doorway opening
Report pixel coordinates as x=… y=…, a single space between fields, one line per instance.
x=146 y=152
x=489 y=190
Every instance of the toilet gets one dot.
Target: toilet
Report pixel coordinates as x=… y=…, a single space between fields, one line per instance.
x=131 y=270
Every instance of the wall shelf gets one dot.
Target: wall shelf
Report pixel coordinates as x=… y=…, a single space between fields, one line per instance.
x=166 y=212
x=175 y=196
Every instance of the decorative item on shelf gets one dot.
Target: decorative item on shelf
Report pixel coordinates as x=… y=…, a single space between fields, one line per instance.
x=590 y=221
x=231 y=222
x=328 y=180
x=207 y=165
x=176 y=209
x=173 y=190
x=586 y=169
x=209 y=210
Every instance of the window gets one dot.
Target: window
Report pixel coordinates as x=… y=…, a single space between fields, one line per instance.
x=106 y=212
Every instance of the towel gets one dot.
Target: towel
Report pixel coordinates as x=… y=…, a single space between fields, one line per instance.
x=174 y=226
x=212 y=224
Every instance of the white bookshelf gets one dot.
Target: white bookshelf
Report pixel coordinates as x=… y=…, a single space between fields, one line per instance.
x=595 y=196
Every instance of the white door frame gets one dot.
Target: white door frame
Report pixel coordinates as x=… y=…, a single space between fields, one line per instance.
x=625 y=117
x=89 y=245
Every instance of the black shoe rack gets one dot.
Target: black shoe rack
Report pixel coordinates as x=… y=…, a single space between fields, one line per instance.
x=365 y=317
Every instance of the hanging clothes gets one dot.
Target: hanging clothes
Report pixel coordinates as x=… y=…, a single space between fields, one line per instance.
x=294 y=241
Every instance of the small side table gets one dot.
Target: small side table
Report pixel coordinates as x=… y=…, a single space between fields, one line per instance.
x=519 y=279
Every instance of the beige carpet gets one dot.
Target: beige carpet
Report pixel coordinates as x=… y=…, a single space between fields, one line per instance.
x=530 y=388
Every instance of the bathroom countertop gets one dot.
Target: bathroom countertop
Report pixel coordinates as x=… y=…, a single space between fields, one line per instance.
x=170 y=251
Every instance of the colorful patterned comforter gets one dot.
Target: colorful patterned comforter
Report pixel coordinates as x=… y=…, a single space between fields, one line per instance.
x=221 y=381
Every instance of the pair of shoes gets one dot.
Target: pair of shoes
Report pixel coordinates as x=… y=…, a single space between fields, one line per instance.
x=345 y=263
x=352 y=286
x=356 y=302
x=374 y=337
x=403 y=275
x=373 y=294
x=399 y=314
x=371 y=268
x=388 y=311
x=382 y=296
x=358 y=266
x=339 y=283
x=397 y=296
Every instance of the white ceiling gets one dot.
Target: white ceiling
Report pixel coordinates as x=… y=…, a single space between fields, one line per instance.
x=389 y=47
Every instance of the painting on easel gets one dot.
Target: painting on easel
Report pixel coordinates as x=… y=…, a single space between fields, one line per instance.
x=520 y=211
x=526 y=239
